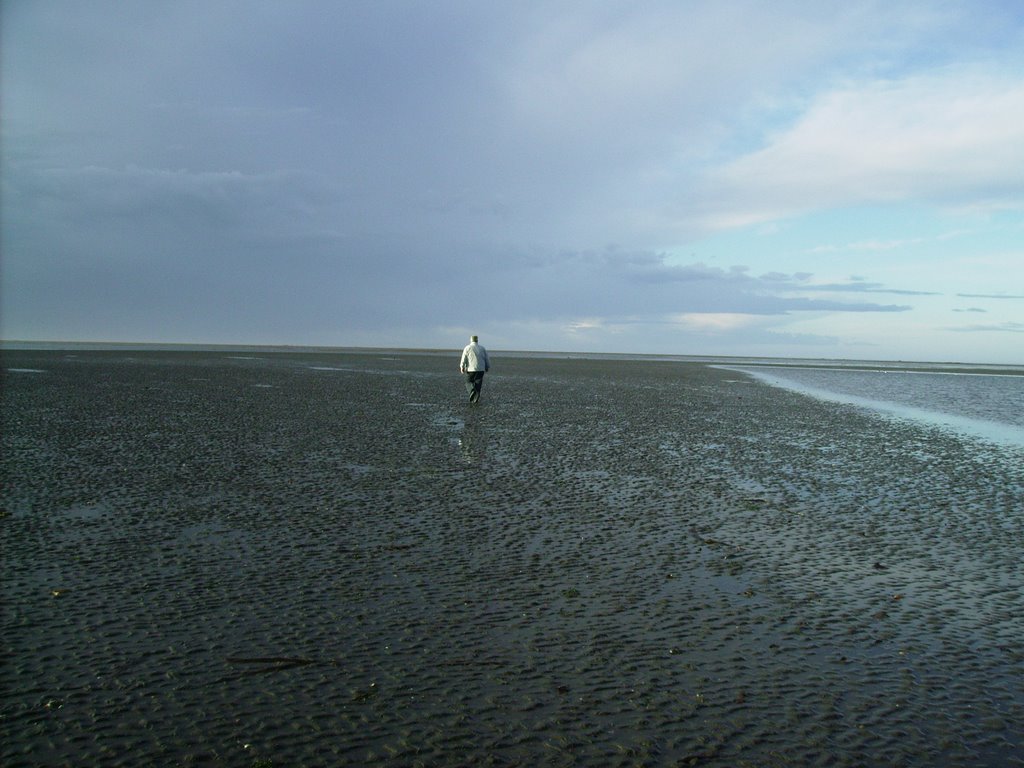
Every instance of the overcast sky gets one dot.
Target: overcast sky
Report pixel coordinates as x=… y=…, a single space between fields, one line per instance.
x=808 y=178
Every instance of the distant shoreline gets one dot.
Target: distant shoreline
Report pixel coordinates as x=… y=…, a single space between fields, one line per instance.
x=824 y=363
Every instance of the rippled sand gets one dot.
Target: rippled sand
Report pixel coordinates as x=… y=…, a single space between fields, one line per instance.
x=305 y=560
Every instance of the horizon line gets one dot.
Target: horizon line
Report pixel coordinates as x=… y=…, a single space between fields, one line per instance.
x=100 y=346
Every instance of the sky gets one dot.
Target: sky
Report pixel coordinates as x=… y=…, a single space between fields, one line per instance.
x=794 y=178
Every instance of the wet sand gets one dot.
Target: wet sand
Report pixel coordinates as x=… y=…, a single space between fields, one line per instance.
x=299 y=559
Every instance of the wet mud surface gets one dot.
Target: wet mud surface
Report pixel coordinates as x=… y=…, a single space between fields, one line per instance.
x=335 y=560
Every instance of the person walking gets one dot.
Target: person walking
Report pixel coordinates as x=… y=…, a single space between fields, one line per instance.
x=474 y=364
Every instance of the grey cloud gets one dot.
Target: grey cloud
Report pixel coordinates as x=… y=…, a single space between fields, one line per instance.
x=132 y=191
x=988 y=296
x=1008 y=327
x=856 y=284
x=244 y=249
x=865 y=287
x=289 y=172
x=617 y=286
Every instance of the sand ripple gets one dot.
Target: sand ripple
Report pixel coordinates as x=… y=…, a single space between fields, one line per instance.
x=334 y=560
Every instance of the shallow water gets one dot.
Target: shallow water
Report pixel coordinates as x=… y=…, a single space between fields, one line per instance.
x=985 y=405
x=605 y=562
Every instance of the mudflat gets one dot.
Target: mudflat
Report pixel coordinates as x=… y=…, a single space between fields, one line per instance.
x=333 y=559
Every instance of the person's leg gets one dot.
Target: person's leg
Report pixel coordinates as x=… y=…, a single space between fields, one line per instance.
x=470 y=385
x=478 y=381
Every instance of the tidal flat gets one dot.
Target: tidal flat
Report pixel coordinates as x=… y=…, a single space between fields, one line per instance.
x=333 y=559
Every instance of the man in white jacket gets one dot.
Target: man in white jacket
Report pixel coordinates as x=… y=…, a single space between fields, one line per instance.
x=474 y=364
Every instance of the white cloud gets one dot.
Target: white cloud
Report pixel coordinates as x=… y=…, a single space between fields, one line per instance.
x=718 y=322
x=954 y=137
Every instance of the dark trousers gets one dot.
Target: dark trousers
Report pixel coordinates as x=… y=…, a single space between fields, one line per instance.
x=474 y=381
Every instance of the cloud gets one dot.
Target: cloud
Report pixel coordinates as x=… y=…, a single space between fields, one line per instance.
x=955 y=137
x=804 y=282
x=642 y=286
x=863 y=286
x=1007 y=327
x=867 y=245
x=143 y=193
x=334 y=172
x=876 y=245
x=678 y=334
x=989 y=296
x=593 y=70
x=716 y=322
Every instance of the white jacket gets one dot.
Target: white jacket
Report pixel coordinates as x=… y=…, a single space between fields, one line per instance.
x=474 y=358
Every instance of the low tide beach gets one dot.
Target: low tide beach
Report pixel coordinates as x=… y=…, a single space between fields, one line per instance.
x=240 y=559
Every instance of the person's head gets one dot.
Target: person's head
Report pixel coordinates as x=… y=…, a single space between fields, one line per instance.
x=473 y=338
